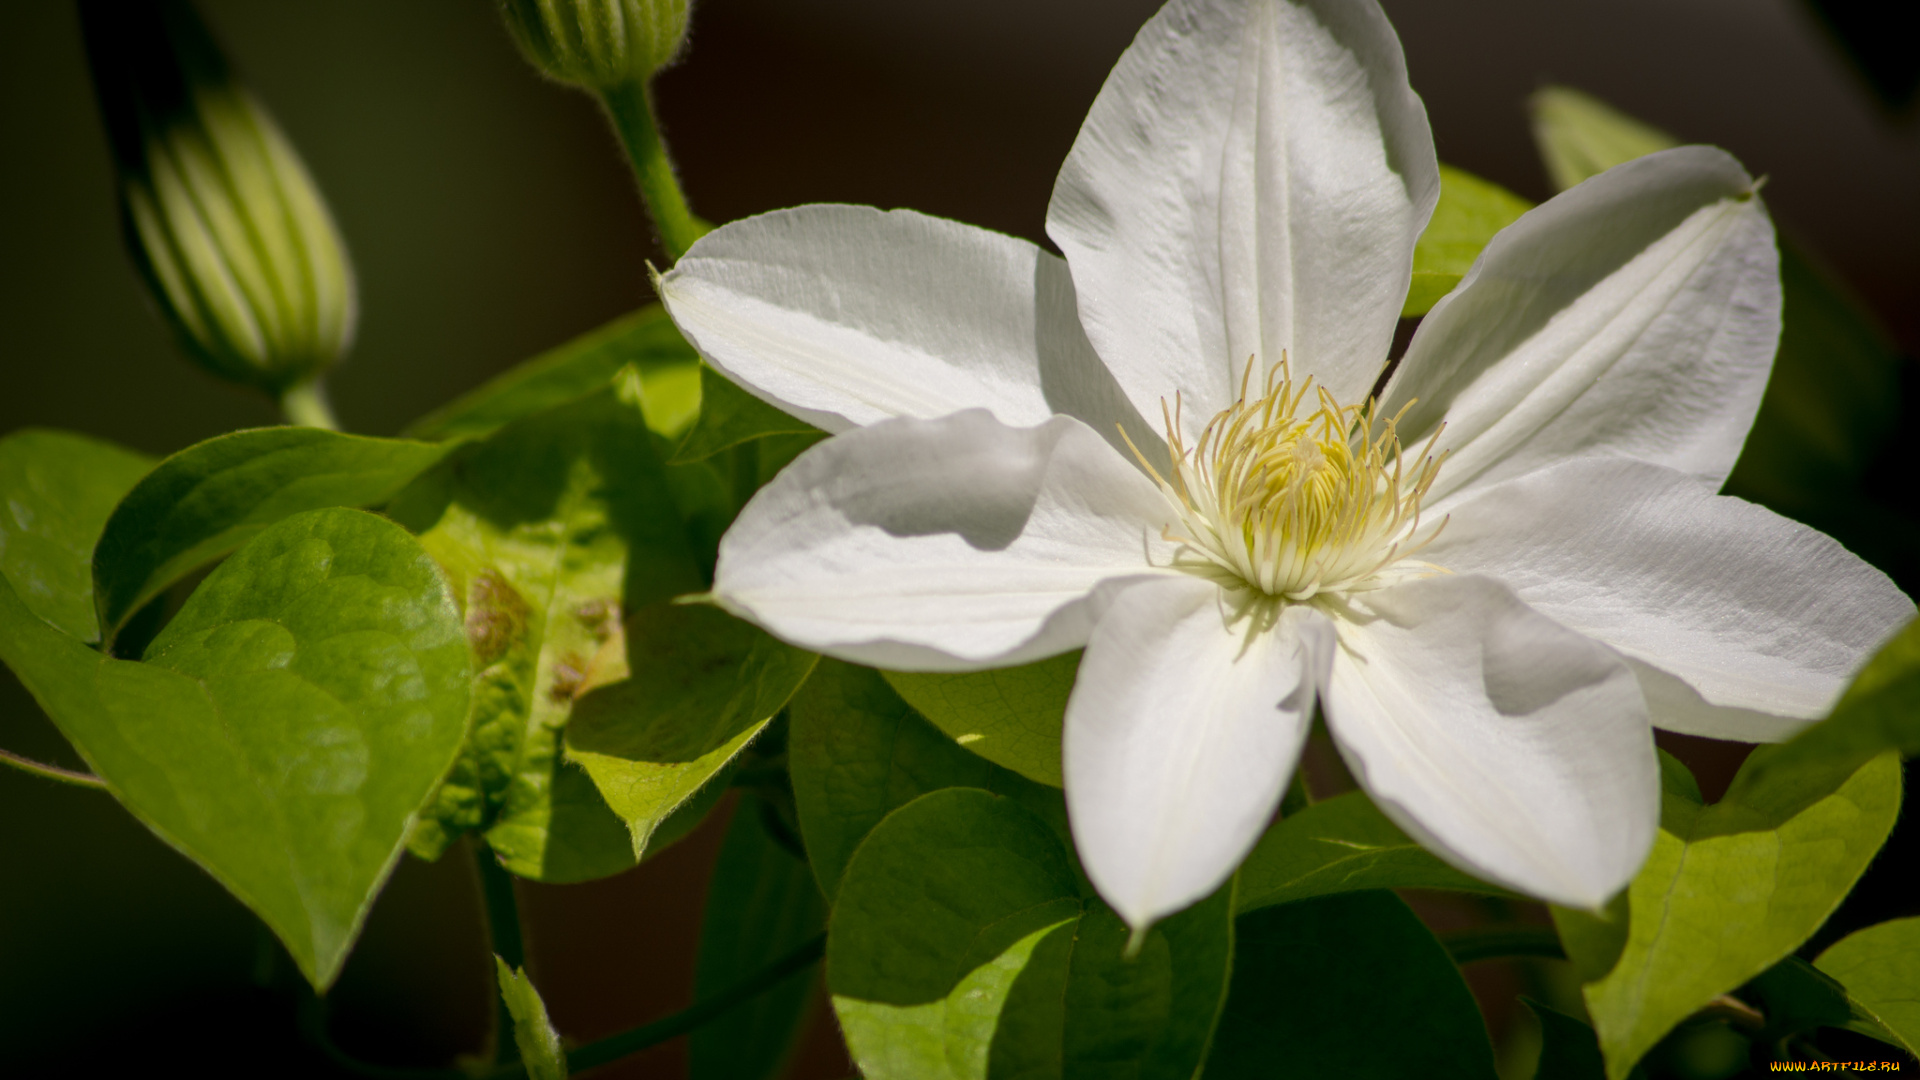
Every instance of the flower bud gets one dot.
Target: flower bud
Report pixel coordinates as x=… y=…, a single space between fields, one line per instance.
x=224 y=222
x=597 y=43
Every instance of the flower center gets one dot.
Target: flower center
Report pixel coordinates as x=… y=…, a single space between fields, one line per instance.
x=1297 y=503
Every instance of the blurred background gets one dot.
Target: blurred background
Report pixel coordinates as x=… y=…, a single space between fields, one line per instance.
x=491 y=216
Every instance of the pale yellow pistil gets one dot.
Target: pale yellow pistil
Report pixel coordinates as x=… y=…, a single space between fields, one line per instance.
x=1293 y=506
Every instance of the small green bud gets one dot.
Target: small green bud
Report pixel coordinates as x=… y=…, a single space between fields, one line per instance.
x=597 y=44
x=223 y=220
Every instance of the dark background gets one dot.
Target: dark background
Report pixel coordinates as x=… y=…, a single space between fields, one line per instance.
x=490 y=216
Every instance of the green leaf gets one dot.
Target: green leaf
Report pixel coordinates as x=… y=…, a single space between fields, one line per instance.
x=1341 y=845
x=1010 y=716
x=1728 y=890
x=1569 y=1050
x=1579 y=136
x=1796 y=997
x=729 y=416
x=960 y=947
x=286 y=725
x=761 y=905
x=56 y=491
x=669 y=373
x=1880 y=967
x=551 y=528
x=700 y=685
x=208 y=499
x=1351 y=985
x=533 y=1033
x=1879 y=712
x=1470 y=211
x=858 y=752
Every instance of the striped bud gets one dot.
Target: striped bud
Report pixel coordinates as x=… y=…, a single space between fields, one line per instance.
x=597 y=44
x=223 y=220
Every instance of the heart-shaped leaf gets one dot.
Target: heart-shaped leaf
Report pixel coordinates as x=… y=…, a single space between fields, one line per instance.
x=56 y=492
x=960 y=947
x=1728 y=891
x=285 y=727
x=551 y=529
x=208 y=499
x=669 y=371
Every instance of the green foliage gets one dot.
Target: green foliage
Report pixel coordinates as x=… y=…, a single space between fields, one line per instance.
x=1342 y=845
x=207 y=500
x=1316 y=983
x=729 y=417
x=669 y=373
x=1796 y=997
x=960 y=947
x=858 y=752
x=1880 y=968
x=286 y=725
x=549 y=528
x=533 y=1033
x=1010 y=716
x=1728 y=891
x=1879 y=712
x=1470 y=211
x=761 y=905
x=700 y=685
x=57 y=490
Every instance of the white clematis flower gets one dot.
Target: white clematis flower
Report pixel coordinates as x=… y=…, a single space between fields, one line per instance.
x=1162 y=450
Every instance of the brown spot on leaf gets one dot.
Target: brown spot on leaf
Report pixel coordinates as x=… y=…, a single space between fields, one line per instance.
x=496 y=616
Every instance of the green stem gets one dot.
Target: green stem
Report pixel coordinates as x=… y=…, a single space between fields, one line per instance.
x=631 y=106
x=503 y=929
x=52 y=772
x=305 y=405
x=1497 y=942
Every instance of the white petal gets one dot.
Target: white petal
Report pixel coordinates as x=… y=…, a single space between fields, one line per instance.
x=1182 y=730
x=1635 y=315
x=1252 y=178
x=1511 y=746
x=1750 y=610
x=846 y=315
x=941 y=545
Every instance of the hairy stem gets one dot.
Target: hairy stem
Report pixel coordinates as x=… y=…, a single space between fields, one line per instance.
x=631 y=107
x=52 y=772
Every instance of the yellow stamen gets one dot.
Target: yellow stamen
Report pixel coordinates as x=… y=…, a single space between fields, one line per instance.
x=1296 y=506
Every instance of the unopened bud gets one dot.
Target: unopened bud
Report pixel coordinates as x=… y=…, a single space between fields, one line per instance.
x=597 y=43
x=222 y=217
